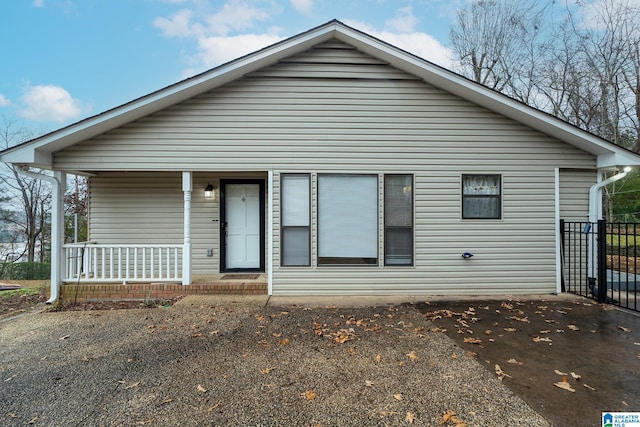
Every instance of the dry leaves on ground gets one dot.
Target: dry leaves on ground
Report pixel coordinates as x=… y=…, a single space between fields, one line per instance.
x=309 y=395
x=450 y=417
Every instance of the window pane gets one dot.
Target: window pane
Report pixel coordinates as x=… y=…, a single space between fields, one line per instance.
x=481 y=185
x=481 y=196
x=295 y=200
x=295 y=246
x=347 y=217
x=399 y=246
x=481 y=207
x=398 y=200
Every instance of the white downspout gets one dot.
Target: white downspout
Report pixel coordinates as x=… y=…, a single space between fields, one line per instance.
x=57 y=225
x=595 y=195
x=595 y=213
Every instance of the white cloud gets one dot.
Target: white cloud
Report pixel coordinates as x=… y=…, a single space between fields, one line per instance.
x=415 y=42
x=404 y=22
x=179 y=25
x=217 y=50
x=49 y=103
x=235 y=15
x=38 y=3
x=4 y=101
x=303 y=6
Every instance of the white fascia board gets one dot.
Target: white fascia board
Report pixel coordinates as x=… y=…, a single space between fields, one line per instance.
x=35 y=158
x=163 y=98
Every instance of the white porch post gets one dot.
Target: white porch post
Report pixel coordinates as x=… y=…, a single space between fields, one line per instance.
x=57 y=232
x=270 y=235
x=187 y=187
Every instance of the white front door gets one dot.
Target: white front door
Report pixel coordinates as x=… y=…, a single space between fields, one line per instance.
x=242 y=217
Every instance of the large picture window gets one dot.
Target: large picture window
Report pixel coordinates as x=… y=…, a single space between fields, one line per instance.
x=295 y=241
x=481 y=196
x=398 y=220
x=347 y=219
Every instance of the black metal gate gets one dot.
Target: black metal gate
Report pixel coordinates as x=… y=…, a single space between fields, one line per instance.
x=602 y=260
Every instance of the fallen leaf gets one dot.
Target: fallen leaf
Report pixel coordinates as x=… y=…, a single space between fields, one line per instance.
x=564 y=374
x=351 y=351
x=33 y=420
x=266 y=370
x=410 y=418
x=454 y=356
x=284 y=341
x=309 y=395
x=473 y=340
x=64 y=337
x=538 y=339
x=501 y=374
x=573 y=327
x=575 y=376
x=385 y=413
x=214 y=406
x=623 y=329
x=277 y=334
x=378 y=358
x=398 y=396
x=510 y=329
x=589 y=387
x=368 y=383
x=167 y=400
x=144 y=422
x=520 y=319
x=514 y=362
x=546 y=331
x=412 y=356
x=201 y=389
x=133 y=385
x=488 y=332
x=450 y=416
x=565 y=386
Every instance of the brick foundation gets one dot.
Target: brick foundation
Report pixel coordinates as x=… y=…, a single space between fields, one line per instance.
x=141 y=291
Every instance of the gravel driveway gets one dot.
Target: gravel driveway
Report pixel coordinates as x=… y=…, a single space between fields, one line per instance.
x=232 y=361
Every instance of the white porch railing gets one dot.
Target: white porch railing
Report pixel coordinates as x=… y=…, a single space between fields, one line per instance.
x=91 y=262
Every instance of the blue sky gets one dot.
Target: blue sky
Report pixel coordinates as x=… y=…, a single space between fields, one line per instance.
x=64 y=60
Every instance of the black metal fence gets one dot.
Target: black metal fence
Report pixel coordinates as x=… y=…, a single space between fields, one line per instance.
x=602 y=260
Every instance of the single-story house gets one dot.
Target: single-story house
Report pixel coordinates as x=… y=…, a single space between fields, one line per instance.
x=330 y=163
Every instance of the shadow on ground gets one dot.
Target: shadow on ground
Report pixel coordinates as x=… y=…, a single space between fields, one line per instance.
x=529 y=340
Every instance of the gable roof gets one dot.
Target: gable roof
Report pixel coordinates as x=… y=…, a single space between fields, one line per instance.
x=39 y=151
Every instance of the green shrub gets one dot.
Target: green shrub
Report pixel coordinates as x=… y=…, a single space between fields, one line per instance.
x=26 y=271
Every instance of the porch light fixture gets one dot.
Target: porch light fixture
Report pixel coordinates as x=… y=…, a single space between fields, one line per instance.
x=208 y=191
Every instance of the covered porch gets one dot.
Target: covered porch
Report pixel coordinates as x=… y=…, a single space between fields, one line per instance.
x=168 y=234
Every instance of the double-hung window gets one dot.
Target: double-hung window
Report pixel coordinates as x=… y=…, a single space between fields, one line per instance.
x=481 y=196
x=295 y=220
x=347 y=219
x=398 y=220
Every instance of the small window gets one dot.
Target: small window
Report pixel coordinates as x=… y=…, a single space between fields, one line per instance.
x=398 y=220
x=295 y=218
x=481 y=197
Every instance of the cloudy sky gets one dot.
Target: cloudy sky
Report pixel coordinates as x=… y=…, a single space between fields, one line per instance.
x=64 y=60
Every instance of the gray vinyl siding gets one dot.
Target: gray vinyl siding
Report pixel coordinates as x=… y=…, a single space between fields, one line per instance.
x=334 y=109
x=574 y=193
x=136 y=208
